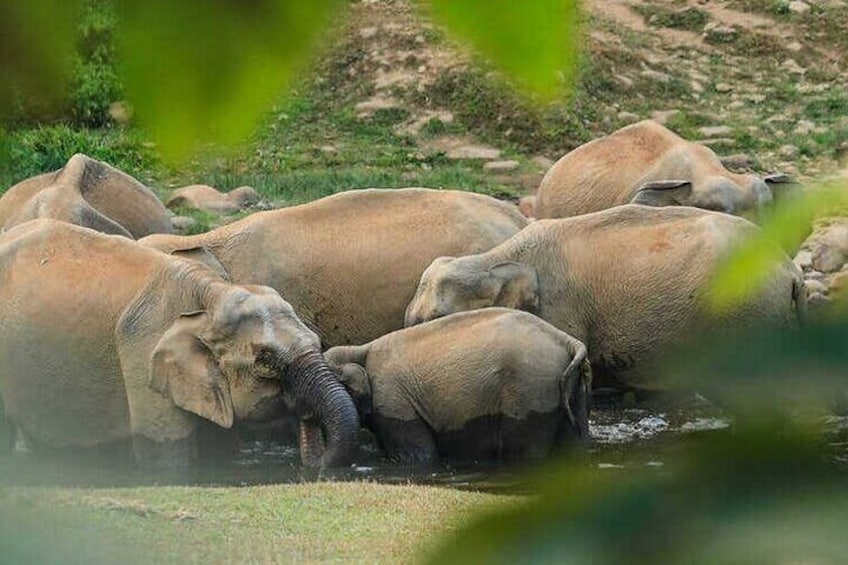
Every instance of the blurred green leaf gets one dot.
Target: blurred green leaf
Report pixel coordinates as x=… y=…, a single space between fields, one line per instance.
x=536 y=43
x=751 y=265
x=206 y=70
x=36 y=45
x=754 y=496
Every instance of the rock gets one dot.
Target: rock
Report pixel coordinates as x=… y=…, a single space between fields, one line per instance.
x=715 y=131
x=625 y=81
x=526 y=205
x=501 y=166
x=736 y=105
x=838 y=285
x=794 y=46
x=662 y=116
x=798 y=7
x=716 y=33
x=814 y=275
x=738 y=162
x=328 y=149
x=813 y=287
x=543 y=162
x=830 y=248
x=628 y=117
x=208 y=199
x=723 y=87
x=817 y=300
x=651 y=74
x=804 y=260
x=474 y=152
x=804 y=127
x=788 y=151
x=183 y=223
x=793 y=67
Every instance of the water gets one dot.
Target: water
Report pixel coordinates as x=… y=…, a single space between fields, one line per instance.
x=623 y=438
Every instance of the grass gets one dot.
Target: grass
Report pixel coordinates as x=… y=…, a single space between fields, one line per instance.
x=689 y=18
x=280 y=523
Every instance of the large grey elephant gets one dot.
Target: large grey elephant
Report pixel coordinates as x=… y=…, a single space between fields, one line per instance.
x=627 y=282
x=491 y=384
x=87 y=193
x=349 y=263
x=105 y=341
x=646 y=163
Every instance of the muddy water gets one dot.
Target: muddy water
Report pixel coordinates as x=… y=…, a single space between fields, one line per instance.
x=622 y=438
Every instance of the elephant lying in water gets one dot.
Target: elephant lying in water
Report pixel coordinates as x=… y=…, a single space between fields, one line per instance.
x=489 y=384
x=627 y=282
x=349 y=263
x=646 y=163
x=104 y=341
x=87 y=193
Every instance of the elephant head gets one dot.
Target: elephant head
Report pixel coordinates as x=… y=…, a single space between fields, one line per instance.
x=244 y=355
x=348 y=362
x=747 y=196
x=452 y=285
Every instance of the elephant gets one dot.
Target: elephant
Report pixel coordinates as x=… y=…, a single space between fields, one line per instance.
x=206 y=198
x=109 y=345
x=490 y=384
x=646 y=163
x=87 y=193
x=627 y=281
x=349 y=263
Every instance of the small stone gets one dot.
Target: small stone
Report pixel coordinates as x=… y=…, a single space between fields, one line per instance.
x=183 y=223
x=662 y=116
x=628 y=117
x=814 y=275
x=714 y=33
x=794 y=46
x=798 y=7
x=501 y=166
x=736 y=105
x=793 y=67
x=723 y=87
x=328 y=149
x=120 y=112
x=625 y=81
x=788 y=151
x=696 y=86
x=804 y=260
x=543 y=162
x=474 y=152
x=817 y=300
x=738 y=162
x=827 y=259
x=715 y=131
x=813 y=287
x=804 y=127
x=756 y=98
x=651 y=74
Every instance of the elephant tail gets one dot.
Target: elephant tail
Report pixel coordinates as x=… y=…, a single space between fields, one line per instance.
x=799 y=298
x=575 y=388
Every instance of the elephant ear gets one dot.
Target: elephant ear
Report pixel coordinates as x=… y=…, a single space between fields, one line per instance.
x=516 y=286
x=354 y=377
x=203 y=255
x=782 y=186
x=183 y=368
x=663 y=193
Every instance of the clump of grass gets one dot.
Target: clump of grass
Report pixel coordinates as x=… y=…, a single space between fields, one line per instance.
x=688 y=18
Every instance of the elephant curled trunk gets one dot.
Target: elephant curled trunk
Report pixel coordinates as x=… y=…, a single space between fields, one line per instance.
x=322 y=403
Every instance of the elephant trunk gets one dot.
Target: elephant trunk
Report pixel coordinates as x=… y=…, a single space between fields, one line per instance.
x=322 y=404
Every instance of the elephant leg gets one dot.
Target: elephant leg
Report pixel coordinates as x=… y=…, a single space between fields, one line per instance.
x=7 y=431
x=407 y=441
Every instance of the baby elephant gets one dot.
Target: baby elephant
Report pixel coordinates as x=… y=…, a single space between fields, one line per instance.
x=494 y=384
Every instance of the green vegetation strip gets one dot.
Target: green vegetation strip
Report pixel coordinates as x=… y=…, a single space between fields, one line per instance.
x=279 y=523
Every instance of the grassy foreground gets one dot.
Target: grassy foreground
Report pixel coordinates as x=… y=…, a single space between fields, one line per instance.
x=279 y=523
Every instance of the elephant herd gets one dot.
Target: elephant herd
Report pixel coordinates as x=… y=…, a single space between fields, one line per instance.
x=446 y=322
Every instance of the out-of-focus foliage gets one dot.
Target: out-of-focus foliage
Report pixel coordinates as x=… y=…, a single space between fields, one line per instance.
x=786 y=229
x=36 y=38
x=535 y=43
x=199 y=71
x=748 y=496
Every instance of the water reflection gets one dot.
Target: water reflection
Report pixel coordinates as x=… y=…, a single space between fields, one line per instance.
x=622 y=438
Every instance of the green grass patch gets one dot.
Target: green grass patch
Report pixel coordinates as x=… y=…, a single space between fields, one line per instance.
x=688 y=18
x=314 y=522
x=37 y=150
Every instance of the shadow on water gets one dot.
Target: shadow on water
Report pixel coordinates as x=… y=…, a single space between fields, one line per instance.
x=623 y=437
